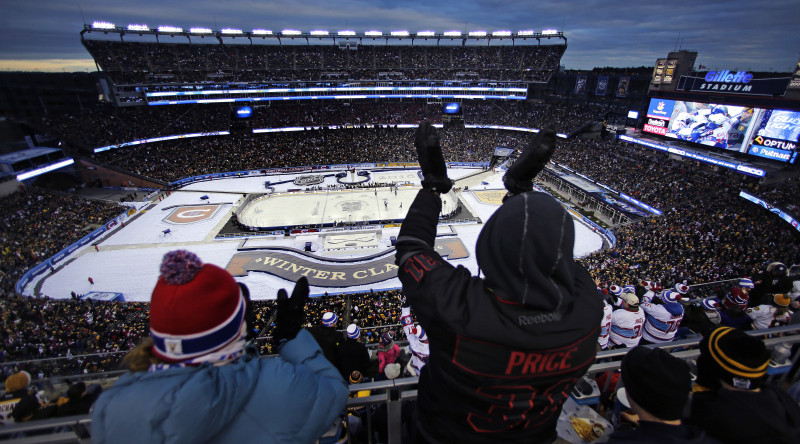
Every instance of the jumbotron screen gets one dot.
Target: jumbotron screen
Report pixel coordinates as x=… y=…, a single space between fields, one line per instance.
x=768 y=133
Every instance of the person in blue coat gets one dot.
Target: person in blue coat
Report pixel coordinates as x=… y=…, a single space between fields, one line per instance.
x=196 y=380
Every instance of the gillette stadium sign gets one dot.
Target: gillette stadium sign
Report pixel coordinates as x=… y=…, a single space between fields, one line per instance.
x=728 y=77
x=727 y=81
x=739 y=82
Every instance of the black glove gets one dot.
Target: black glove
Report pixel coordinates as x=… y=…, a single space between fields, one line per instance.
x=291 y=316
x=431 y=161
x=519 y=177
x=249 y=314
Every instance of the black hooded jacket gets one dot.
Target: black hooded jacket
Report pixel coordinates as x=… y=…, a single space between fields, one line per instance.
x=740 y=416
x=505 y=351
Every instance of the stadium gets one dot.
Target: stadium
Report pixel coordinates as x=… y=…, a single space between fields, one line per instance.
x=277 y=155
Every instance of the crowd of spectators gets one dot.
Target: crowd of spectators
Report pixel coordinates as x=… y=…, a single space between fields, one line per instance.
x=144 y=62
x=173 y=160
x=784 y=195
x=38 y=223
x=106 y=125
x=53 y=337
x=706 y=233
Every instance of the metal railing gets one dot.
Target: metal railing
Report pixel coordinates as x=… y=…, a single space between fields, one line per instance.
x=393 y=393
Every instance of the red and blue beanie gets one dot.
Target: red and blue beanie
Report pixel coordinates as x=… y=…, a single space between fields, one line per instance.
x=195 y=308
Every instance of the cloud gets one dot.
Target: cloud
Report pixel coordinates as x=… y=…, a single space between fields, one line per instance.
x=48 y=65
x=725 y=33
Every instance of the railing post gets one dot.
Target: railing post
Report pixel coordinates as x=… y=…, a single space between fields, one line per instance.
x=394 y=410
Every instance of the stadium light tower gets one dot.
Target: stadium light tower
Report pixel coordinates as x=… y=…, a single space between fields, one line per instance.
x=133 y=27
x=169 y=29
x=200 y=30
x=102 y=25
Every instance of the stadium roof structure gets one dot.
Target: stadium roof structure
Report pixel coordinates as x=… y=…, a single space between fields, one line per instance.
x=320 y=34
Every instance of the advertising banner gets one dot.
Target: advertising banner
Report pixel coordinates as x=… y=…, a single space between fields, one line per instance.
x=736 y=82
x=580 y=85
x=602 y=86
x=622 y=87
x=661 y=108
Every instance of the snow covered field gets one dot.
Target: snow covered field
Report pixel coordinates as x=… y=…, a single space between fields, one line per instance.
x=129 y=257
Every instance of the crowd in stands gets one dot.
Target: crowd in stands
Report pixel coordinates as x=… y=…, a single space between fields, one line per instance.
x=105 y=125
x=142 y=62
x=785 y=196
x=53 y=337
x=173 y=160
x=706 y=234
x=38 y=223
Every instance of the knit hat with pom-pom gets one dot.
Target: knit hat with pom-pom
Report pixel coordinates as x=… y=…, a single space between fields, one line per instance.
x=195 y=309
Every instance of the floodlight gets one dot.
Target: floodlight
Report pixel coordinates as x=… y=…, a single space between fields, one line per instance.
x=291 y=32
x=169 y=29
x=501 y=34
x=138 y=28
x=262 y=32
x=230 y=31
x=103 y=25
x=346 y=32
x=525 y=32
x=477 y=33
x=374 y=33
x=319 y=32
x=452 y=34
x=200 y=30
x=425 y=33
x=400 y=33
x=550 y=32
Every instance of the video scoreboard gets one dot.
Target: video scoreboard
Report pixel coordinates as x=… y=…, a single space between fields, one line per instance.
x=768 y=133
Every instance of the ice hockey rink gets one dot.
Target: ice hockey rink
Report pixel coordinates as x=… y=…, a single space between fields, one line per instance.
x=127 y=258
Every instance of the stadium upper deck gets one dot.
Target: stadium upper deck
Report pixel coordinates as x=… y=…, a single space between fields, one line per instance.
x=313 y=60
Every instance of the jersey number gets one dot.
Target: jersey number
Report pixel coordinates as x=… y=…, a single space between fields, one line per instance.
x=522 y=406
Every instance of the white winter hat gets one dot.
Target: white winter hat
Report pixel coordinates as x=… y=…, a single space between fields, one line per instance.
x=392 y=370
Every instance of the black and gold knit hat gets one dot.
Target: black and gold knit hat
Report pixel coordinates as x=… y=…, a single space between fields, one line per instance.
x=731 y=355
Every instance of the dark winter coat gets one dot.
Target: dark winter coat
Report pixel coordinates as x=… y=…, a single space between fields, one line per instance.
x=659 y=433
x=737 y=416
x=505 y=351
